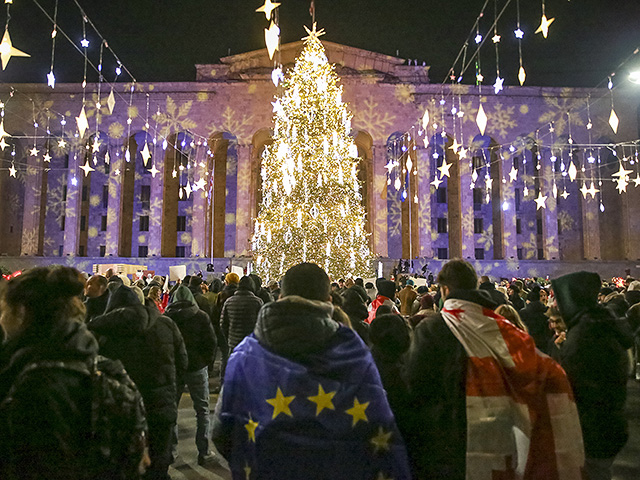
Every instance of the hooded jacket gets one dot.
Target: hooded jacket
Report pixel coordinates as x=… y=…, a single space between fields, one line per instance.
x=498 y=297
x=595 y=360
x=149 y=345
x=533 y=316
x=46 y=420
x=195 y=327
x=303 y=399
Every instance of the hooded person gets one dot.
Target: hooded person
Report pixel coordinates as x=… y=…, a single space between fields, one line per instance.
x=533 y=315
x=260 y=292
x=156 y=281
x=200 y=342
x=302 y=396
x=514 y=291
x=386 y=296
x=151 y=348
x=488 y=286
x=594 y=357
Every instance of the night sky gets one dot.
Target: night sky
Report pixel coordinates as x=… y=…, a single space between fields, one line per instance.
x=159 y=40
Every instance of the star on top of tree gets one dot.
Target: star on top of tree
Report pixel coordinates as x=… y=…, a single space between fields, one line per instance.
x=313 y=33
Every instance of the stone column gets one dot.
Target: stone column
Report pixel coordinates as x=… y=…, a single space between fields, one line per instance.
x=550 y=243
x=631 y=223
x=34 y=210
x=72 y=208
x=243 y=205
x=424 y=203
x=590 y=228
x=379 y=201
x=113 y=207
x=155 y=210
x=460 y=201
x=198 y=219
x=508 y=217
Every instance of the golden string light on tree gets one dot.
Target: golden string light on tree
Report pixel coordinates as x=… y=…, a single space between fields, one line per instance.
x=311 y=207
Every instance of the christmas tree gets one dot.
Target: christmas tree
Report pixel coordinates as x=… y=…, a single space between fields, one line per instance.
x=311 y=208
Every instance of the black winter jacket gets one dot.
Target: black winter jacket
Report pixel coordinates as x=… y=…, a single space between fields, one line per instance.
x=96 y=306
x=594 y=357
x=197 y=332
x=538 y=324
x=239 y=316
x=435 y=429
x=149 y=345
x=45 y=424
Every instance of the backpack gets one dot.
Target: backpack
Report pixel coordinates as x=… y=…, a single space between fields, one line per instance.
x=118 y=422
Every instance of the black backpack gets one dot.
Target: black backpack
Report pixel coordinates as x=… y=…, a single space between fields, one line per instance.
x=118 y=421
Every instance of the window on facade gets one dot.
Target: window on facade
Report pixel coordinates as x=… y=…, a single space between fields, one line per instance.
x=145 y=196
x=443 y=253
x=517 y=198
x=105 y=196
x=81 y=251
x=66 y=161
x=478 y=162
x=85 y=193
x=539 y=226
x=107 y=168
x=516 y=162
x=478 y=225
x=143 y=250
x=64 y=193
x=441 y=195
x=181 y=251
x=477 y=198
x=540 y=254
x=144 y=223
x=103 y=250
x=63 y=220
x=479 y=253
x=518 y=226
x=103 y=223
x=520 y=255
x=182 y=223
x=442 y=225
x=60 y=250
x=83 y=223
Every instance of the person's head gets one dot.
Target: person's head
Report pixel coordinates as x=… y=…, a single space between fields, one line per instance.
x=576 y=292
x=511 y=314
x=194 y=283
x=603 y=293
x=216 y=285
x=534 y=294
x=335 y=286
x=556 y=323
x=273 y=285
x=154 y=293
x=257 y=281
x=348 y=283
x=410 y=283
x=138 y=291
x=457 y=275
x=39 y=298
x=484 y=279
x=426 y=302
x=306 y=280
x=246 y=283
x=383 y=310
x=231 y=278
x=158 y=279
x=359 y=281
x=390 y=333
x=186 y=280
x=95 y=286
x=544 y=296
x=341 y=283
x=140 y=284
x=387 y=288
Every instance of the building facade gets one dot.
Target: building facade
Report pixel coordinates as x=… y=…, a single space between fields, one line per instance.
x=171 y=172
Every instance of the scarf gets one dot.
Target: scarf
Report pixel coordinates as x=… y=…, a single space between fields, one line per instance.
x=522 y=420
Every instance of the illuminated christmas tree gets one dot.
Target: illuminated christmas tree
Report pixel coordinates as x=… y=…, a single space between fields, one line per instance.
x=311 y=208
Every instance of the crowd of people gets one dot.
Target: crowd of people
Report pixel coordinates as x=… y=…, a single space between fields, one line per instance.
x=464 y=378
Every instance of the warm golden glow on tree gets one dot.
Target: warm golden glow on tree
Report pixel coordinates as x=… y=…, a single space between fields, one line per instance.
x=311 y=207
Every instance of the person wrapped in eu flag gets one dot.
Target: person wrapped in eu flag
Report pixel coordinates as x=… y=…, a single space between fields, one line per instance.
x=302 y=396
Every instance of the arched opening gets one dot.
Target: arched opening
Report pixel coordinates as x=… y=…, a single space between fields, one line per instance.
x=260 y=141
x=98 y=196
x=364 y=142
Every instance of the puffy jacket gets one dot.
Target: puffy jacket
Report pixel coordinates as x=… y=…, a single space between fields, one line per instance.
x=537 y=323
x=196 y=329
x=46 y=420
x=239 y=315
x=149 y=345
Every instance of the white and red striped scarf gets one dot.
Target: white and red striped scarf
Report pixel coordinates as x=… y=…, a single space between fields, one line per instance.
x=522 y=421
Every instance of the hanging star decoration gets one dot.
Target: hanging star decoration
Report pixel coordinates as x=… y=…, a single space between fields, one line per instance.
x=437 y=182
x=496 y=38
x=199 y=185
x=614 y=121
x=3 y=144
x=7 y=50
x=111 y=102
x=573 y=171
x=47 y=157
x=87 y=168
x=622 y=183
x=267 y=8
x=82 y=122
x=584 y=190
x=280 y=404
x=593 y=190
x=463 y=152
x=513 y=174
x=3 y=133
x=62 y=143
x=444 y=168
x=622 y=173
x=541 y=201
x=12 y=170
x=481 y=120
x=564 y=194
x=636 y=181
x=498 y=86
x=96 y=145
x=116 y=172
x=522 y=75
x=154 y=171
x=455 y=146
x=519 y=33
x=544 y=26
x=51 y=79
x=34 y=151
x=271 y=38
x=146 y=154
x=390 y=166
